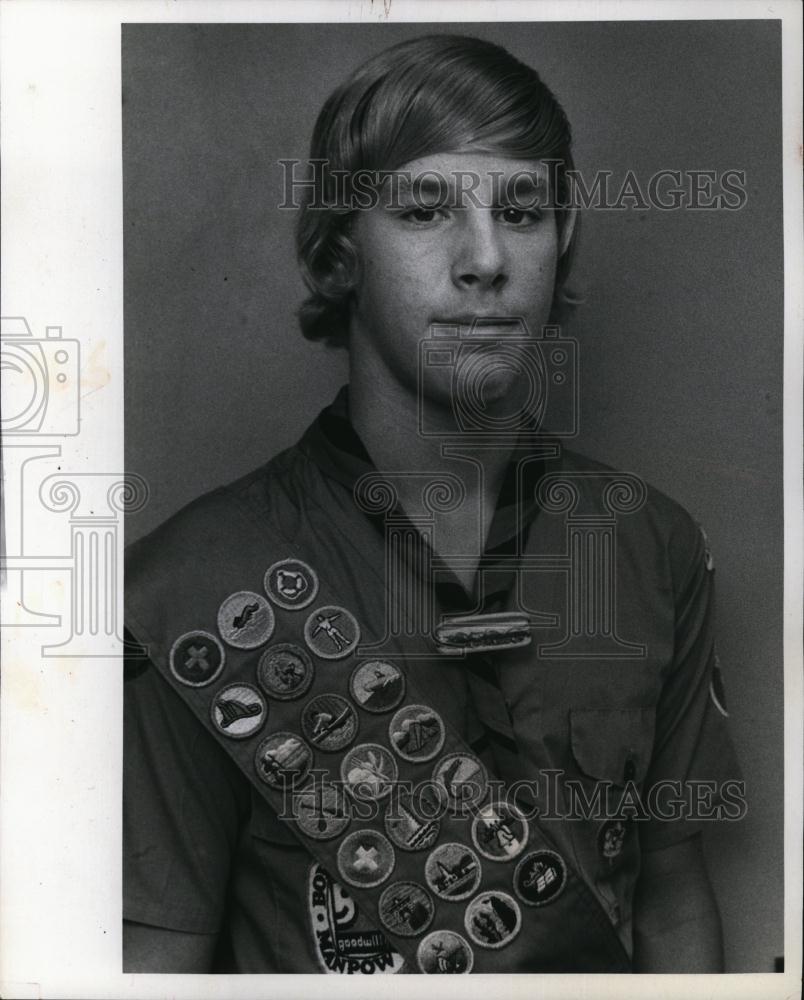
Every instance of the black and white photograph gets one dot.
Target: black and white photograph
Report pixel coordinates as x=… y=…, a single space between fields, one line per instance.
x=434 y=587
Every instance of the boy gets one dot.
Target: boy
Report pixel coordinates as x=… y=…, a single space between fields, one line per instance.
x=412 y=683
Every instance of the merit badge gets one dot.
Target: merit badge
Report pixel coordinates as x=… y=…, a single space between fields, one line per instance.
x=365 y=859
x=416 y=733
x=285 y=671
x=407 y=827
x=377 y=686
x=453 y=871
x=245 y=620
x=406 y=908
x=540 y=877
x=463 y=779
x=499 y=832
x=291 y=584
x=611 y=839
x=345 y=942
x=283 y=759
x=321 y=811
x=331 y=632
x=238 y=711
x=329 y=722
x=493 y=919
x=444 y=951
x=196 y=658
x=369 y=771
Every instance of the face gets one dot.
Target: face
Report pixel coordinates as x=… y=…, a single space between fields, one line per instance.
x=482 y=262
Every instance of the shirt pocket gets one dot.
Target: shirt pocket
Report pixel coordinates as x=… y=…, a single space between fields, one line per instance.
x=611 y=744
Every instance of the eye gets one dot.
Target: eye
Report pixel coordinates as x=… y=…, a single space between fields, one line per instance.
x=422 y=216
x=520 y=217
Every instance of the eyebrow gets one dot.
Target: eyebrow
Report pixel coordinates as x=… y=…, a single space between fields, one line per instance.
x=524 y=186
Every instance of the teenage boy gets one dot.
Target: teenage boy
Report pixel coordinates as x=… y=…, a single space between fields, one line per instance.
x=429 y=593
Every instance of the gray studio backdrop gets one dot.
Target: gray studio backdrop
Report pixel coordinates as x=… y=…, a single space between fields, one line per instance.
x=680 y=336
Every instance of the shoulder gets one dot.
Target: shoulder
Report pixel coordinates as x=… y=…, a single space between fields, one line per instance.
x=646 y=518
x=272 y=493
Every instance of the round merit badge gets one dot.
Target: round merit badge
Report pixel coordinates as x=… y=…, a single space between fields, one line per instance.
x=406 y=908
x=329 y=722
x=499 y=831
x=463 y=779
x=406 y=824
x=285 y=671
x=377 y=686
x=416 y=733
x=444 y=952
x=369 y=771
x=245 y=620
x=452 y=871
x=365 y=859
x=493 y=919
x=331 y=632
x=540 y=877
x=238 y=711
x=283 y=759
x=321 y=811
x=196 y=658
x=291 y=584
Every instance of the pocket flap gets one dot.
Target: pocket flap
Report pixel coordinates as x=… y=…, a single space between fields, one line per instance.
x=613 y=744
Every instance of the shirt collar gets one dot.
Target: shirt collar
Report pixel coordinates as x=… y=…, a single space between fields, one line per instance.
x=336 y=448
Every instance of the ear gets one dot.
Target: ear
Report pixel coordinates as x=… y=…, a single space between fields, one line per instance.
x=567 y=231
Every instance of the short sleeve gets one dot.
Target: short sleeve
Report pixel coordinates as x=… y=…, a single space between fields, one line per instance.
x=694 y=776
x=181 y=810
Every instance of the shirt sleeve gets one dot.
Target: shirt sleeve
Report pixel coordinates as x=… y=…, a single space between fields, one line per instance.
x=694 y=776
x=182 y=808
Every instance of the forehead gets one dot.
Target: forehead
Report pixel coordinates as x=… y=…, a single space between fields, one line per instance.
x=476 y=171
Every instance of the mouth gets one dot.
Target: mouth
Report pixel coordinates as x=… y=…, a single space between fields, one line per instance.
x=481 y=324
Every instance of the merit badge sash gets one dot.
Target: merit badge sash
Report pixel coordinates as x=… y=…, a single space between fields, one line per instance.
x=384 y=794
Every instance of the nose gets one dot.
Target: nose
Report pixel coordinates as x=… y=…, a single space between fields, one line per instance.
x=480 y=258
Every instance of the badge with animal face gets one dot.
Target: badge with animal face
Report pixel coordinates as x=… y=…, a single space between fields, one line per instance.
x=499 y=831
x=283 y=760
x=406 y=823
x=452 y=871
x=493 y=919
x=611 y=839
x=291 y=584
x=365 y=859
x=246 y=620
x=329 y=722
x=196 y=658
x=369 y=771
x=406 y=908
x=238 y=711
x=331 y=632
x=285 y=671
x=416 y=733
x=444 y=952
x=345 y=943
x=377 y=686
x=540 y=877
x=321 y=811
x=463 y=779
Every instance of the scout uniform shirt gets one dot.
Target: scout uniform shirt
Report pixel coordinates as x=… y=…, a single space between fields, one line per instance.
x=617 y=694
